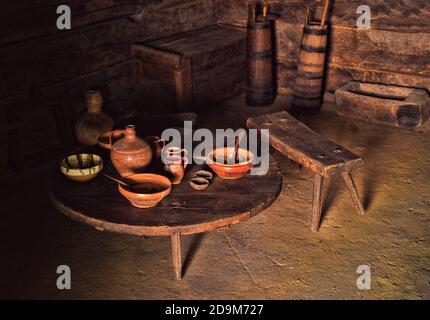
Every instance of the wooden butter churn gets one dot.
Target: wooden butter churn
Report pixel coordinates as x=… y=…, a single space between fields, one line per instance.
x=260 y=89
x=308 y=89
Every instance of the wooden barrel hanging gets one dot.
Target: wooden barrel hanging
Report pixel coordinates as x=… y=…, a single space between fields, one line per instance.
x=308 y=89
x=260 y=89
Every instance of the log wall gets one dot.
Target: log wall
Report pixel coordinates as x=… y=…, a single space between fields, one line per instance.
x=394 y=51
x=40 y=62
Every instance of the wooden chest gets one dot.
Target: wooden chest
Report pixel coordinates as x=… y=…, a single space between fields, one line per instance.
x=192 y=70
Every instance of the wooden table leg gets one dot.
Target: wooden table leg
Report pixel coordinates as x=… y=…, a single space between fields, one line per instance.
x=176 y=255
x=317 y=203
x=353 y=191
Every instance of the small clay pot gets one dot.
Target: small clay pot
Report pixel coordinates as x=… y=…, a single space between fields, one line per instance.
x=199 y=183
x=94 y=122
x=130 y=155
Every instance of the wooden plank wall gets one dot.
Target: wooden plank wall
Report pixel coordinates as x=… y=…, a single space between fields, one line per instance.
x=39 y=60
x=394 y=51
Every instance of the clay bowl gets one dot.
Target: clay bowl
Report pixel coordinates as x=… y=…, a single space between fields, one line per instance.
x=217 y=157
x=81 y=167
x=146 y=190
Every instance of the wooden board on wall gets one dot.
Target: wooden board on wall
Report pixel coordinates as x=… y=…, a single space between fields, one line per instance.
x=158 y=19
x=394 y=15
x=116 y=82
x=64 y=56
x=20 y=23
x=373 y=49
x=101 y=36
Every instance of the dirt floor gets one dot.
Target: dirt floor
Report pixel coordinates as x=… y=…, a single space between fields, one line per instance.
x=272 y=256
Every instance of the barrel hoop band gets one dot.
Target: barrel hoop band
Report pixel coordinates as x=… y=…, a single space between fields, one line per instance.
x=316 y=32
x=300 y=62
x=310 y=75
x=312 y=49
x=259 y=55
x=259 y=25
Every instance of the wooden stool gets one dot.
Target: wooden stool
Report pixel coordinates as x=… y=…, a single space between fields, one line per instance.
x=313 y=151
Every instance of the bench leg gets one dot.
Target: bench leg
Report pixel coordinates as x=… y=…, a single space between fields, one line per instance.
x=353 y=191
x=317 y=203
x=176 y=255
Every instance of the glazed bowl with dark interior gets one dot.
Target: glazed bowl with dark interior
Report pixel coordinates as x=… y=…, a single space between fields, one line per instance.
x=222 y=161
x=145 y=190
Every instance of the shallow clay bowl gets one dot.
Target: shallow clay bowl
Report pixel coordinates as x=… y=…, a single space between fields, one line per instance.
x=146 y=190
x=230 y=171
x=81 y=167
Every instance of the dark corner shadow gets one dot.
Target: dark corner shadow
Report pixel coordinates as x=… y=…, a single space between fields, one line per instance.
x=372 y=148
x=369 y=183
x=196 y=242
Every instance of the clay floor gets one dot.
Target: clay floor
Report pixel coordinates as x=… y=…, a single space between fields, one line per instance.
x=272 y=256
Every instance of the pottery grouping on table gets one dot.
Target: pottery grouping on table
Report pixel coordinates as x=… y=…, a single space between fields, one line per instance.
x=131 y=155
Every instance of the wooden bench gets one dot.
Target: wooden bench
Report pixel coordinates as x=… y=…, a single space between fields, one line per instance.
x=313 y=151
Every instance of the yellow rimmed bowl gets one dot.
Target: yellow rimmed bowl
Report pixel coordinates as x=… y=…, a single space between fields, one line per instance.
x=81 y=167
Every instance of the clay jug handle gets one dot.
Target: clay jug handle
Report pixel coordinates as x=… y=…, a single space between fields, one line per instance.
x=185 y=160
x=109 y=134
x=160 y=142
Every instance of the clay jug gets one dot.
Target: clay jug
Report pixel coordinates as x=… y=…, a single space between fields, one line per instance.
x=130 y=154
x=94 y=122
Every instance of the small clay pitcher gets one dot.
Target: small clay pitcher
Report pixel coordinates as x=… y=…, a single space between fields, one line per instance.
x=130 y=155
x=176 y=165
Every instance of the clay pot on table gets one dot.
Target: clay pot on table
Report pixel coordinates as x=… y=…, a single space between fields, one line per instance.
x=94 y=122
x=131 y=154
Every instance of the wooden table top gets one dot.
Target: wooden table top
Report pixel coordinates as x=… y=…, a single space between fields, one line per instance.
x=99 y=204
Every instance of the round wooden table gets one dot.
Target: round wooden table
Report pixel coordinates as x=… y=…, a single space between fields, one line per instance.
x=185 y=211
